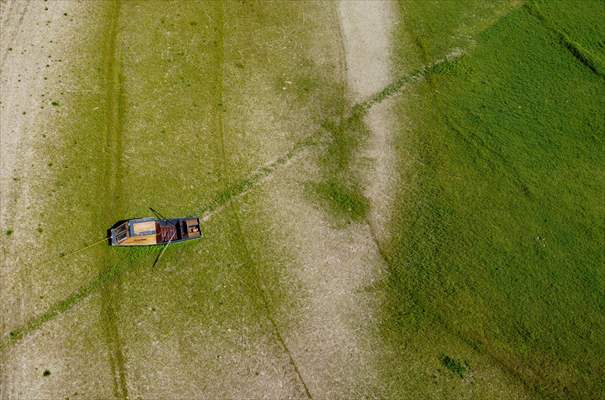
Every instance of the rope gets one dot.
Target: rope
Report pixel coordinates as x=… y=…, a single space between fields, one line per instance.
x=62 y=255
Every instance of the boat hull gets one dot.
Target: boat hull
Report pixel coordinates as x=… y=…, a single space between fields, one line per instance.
x=154 y=232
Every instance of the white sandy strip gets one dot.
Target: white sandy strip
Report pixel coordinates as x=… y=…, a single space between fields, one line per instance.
x=367 y=27
x=15 y=89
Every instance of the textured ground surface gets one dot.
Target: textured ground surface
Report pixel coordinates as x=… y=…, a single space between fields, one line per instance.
x=312 y=137
x=176 y=109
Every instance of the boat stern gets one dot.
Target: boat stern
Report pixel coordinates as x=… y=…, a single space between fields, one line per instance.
x=135 y=232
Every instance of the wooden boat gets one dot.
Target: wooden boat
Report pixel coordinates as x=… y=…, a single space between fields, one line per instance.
x=155 y=231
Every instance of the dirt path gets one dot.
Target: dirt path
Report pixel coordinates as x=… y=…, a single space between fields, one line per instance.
x=366 y=28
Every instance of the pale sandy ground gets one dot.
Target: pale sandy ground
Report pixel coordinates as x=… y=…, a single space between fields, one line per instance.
x=332 y=336
x=36 y=49
x=19 y=66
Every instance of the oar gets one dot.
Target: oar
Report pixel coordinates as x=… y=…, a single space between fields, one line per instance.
x=163 y=250
x=157 y=214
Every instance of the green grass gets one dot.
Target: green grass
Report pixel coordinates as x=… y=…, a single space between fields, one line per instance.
x=585 y=38
x=339 y=190
x=459 y=368
x=499 y=239
x=434 y=27
x=344 y=201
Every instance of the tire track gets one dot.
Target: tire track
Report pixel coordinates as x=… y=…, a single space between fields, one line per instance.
x=265 y=304
x=111 y=294
x=583 y=56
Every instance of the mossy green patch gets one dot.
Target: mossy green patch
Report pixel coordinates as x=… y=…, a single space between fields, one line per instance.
x=344 y=201
x=340 y=190
x=458 y=367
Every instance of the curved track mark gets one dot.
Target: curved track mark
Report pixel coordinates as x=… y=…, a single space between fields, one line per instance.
x=265 y=303
x=110 y=294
